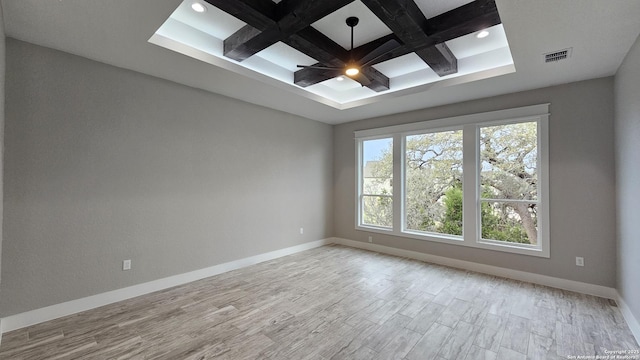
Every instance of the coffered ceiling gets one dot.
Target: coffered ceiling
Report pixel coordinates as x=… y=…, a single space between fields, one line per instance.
x=401 y=49
x=597 y=33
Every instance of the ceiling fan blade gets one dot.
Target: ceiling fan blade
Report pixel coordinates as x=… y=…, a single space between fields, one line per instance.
x=379 y=52
x=319 y=67
x=361 y=78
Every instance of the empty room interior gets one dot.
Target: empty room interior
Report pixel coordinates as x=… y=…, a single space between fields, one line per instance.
x=337 y=179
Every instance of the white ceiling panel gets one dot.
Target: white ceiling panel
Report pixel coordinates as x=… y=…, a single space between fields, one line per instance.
x=401 y=65
x=368 y=29
x=285 y=56
x=471 y=45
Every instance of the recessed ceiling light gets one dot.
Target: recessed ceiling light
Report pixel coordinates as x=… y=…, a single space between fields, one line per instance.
x=198 y=7
x=340 y=78
x=482 y=34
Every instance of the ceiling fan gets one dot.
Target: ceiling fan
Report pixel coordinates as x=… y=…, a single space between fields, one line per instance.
x=354 y=68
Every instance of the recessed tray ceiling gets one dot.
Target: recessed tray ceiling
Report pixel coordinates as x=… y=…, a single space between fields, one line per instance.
x=201 y=36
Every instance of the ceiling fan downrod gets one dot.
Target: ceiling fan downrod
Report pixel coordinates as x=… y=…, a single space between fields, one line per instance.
x=352 y=21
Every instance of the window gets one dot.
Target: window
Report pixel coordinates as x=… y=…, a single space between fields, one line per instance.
x=478 y=180
x=376 y=198
x=433 y=182
x=508 y=182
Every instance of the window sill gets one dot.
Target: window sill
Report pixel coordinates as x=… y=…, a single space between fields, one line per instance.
x=459 y=241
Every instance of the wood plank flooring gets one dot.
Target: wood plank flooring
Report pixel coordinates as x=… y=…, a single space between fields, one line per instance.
x=336 y=303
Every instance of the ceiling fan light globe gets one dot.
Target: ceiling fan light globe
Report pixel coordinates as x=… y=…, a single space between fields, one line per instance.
x=352 y=71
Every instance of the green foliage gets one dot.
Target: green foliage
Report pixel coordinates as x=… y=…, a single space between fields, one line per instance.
x=452 y=220
x=493 y=225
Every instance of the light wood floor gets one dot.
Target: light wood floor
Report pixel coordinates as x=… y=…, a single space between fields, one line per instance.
x=336 y=303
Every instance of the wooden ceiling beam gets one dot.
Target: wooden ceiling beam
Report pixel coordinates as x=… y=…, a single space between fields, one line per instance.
x=441 y=58
x=464 y=20
x=289 y=21
x=295 y=15
x=286 y=19
x=452 y=24
x=248 y=41
x=379 y=81
x=408 y=22
x=308 y=76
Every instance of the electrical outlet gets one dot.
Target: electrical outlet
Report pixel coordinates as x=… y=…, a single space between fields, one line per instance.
x=370 y=239
x=579 y=261
x=126 y=265
x=301 y=231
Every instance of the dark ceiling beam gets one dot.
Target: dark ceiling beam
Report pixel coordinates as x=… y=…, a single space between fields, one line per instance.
x=461 y=21
x=464 y=20
x=246 y=42
x=309 y=76
x=266 y=21
x=295 y=15
x=379 y=81
x=288 y=17
x=440 y=59
x=408 y=22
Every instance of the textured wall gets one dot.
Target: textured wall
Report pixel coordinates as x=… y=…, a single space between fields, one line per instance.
x=105 y=164
x=627 y=94
x=582 y=193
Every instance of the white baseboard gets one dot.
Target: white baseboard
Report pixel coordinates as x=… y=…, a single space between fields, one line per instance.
x=37 y=316
x=634 y=324
x=580 y=287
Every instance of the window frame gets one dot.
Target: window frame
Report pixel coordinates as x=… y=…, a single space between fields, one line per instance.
x=418 y=233
x=360 y=181
x=470 y=125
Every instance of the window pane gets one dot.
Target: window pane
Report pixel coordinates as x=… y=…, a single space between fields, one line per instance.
x=511 y=222
x=433 y=182
x=377 y=167
x=377 y=182
x=509 y=156
x=377 y=211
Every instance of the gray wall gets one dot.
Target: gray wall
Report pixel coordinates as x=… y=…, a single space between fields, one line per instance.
x=582 y=193
x=627 y=108
x=105 y=164
x=2 y=77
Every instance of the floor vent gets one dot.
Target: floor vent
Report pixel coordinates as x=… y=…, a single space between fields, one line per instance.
x=557 y=55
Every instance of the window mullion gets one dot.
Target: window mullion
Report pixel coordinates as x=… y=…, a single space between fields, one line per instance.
x=398 y=191
x=471 y=196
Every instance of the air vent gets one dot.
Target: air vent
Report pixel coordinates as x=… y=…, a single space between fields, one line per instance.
x=557 y=55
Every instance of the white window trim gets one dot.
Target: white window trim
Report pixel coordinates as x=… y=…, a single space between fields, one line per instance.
x=471 y=235
x=359 y=193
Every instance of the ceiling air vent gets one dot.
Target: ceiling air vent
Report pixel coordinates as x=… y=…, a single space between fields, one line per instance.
x=557 y=55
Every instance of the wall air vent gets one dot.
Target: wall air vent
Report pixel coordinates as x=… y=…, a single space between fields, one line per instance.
x=557 y=55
